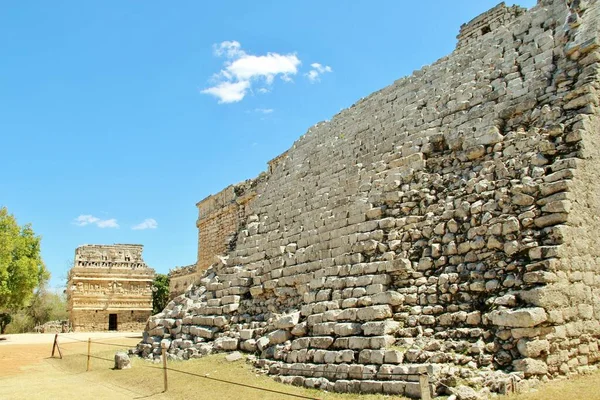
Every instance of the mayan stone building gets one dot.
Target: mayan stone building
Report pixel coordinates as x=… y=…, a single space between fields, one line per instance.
x=446 y=223
x=109 y=288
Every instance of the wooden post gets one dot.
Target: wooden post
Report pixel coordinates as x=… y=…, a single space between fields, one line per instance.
x=164 y=358
x=89 y=353
x=54 y=344
x=424 y=386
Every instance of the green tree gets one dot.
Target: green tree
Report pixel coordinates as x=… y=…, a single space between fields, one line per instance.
x=21 y=266
x=47 y=306
x=5 y=319
x=160 y=292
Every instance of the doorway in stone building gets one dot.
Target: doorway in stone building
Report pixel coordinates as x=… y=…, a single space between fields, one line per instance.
x=112 y=322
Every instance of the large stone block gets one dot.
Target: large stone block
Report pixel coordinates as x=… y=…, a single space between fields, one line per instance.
x=520 y=318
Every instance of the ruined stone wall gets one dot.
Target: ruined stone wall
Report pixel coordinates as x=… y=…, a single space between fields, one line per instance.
x=180 y=279
x=109 y=279
x=446 y=221
x=487 y=22
x=220 y=216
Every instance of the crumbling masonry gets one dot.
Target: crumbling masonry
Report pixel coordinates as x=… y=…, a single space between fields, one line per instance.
x=447 y=222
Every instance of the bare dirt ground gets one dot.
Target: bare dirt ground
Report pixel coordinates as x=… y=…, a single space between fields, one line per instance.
x=28 y=372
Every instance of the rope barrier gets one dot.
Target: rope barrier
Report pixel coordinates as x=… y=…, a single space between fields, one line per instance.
x=242 y=384
x=114 y=344
x=289 y=371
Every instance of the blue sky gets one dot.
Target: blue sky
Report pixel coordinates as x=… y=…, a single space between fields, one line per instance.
x=117 y=115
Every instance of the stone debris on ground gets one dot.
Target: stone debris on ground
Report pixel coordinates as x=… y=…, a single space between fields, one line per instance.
x=122 y=360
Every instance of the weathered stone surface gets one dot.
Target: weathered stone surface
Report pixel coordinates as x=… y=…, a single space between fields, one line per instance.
x=235 y=356
x=466 y=393
x=529 y=366
x=279 y=336
x=122 y=360
x=451 y=215
x=521 y=318
x=374 y=313
x=380 y=328
x=533 y=348
x=288 y=321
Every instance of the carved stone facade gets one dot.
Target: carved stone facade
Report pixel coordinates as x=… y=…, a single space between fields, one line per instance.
x=109 y=288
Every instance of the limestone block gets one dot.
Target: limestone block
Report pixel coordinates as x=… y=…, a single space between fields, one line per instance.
x=246 y=334
x=367 y=356
x=374 y=313
x=301 y=343
x=412 y=390
x=466 y=393
x=380 y=328
x=225 y=343
x=204 y=332
x=551 y=219
x=300 y=329
x=521 y=318
x=399 y=265
x=381 y=342
x=262 y=343
x=390 y=297
x=529 y=366
x=522 y=199
x=322 y=342
x=369 y=386
x=533 y=348
x=230 y=299
x=347 y=329
x=324 y=328
x=358 y=342
x=248 y=345
x=341 y=386
x=279 y=336
x=394 y=388
x=287 y=321
x=393 y=357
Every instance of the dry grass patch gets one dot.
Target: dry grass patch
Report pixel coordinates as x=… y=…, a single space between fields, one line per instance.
x=146 y=379
x=584 y=387
x=55 y=378
x=207 y=381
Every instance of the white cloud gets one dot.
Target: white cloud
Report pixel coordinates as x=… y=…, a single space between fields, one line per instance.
x=107 y=223
x=249 y=67
x=314 y=75
x=242 y=70
x=229 y=92
x=264 y=110
x=86 y=219
x=148 y=223
x=229 y=49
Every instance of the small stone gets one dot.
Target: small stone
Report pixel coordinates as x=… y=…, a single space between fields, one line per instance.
x=236 y=355
x=122 y=361
x=466 y=393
